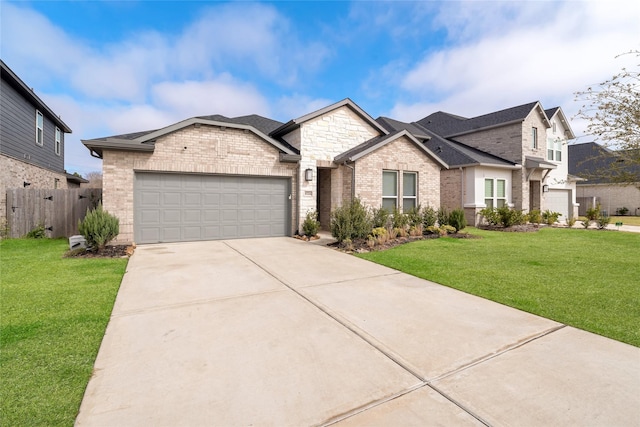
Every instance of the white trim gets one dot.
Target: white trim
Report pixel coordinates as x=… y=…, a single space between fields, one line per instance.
x=397 y=189
x=39 y=135
x=57 y=147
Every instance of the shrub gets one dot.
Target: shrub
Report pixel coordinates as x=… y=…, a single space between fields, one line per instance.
x=414 y=216
x=571 y=221
x=457 y=220
x=311 y=225
x=622 y=211
x=380 y=217
x=429 y=217
x=416 y=230
x=603 y=221
x=350 y=221
x=490 y=215
x=593 y=213
x=534 y=217
x=503 y=215
x=99 y=227
x=549 y=217
x=399 y=219
x=37 y=233
x=443 y=216
x=4 y=228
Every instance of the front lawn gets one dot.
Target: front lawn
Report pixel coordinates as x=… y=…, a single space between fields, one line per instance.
x=589 y=279
x=53 y=314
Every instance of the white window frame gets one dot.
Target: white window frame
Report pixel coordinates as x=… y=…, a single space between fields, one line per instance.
x=39 y=128
x=390 y=197
x=58 y=143
x=558 y=157
x=495 y=201
x=415 y=190
x=534 y=137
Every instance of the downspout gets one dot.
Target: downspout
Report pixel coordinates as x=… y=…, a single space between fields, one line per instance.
x=462 y=189
x=353 y=180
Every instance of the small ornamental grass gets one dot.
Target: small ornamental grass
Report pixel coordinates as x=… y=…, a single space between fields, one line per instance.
x=99 y=227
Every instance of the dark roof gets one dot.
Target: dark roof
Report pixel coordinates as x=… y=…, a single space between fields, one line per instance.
x=28 y=93
x=365 y=146
x=76 y=179
x=453 y=153
x=131 y=136
x=450 y=125
x=263 y=124
x=599 y=164
x=551 y=111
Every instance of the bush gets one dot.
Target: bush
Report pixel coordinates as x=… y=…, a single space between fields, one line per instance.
x=37 y=233
x=399 y=219
x=99 y=227
x=490 y=215
x=350 y=221
x=549 y=217
x=380 y=217
x=622 y=211
x=603 y=221
x=414 y=216
x=443 y=216
x=457 y=220
x=593 y=213
x=311 y=225
x=504 y=216
x=571 y=221
x=534 y=217
x=429 y=217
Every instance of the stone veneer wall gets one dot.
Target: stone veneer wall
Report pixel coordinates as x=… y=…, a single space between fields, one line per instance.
x=403 y=156
x=203 y=149
x=321 y=140
x=13 y=174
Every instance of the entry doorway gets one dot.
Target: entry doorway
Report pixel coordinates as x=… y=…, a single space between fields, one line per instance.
x=323 y=198
x=534 y=195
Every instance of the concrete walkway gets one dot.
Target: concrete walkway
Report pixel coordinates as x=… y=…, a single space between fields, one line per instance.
x=279 y=332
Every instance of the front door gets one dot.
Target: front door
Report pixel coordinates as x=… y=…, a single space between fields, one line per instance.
x=534 y=195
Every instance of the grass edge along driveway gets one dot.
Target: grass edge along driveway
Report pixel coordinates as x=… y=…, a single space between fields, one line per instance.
x=53 y=315
x=584 y=278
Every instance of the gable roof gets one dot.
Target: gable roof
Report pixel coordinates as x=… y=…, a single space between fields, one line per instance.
x=393 y=125
x=294 y=124
x=28 y=93
x=449 y=125
x=145 y=141
x=551 y=112
x=373 y=144
x=599 y=164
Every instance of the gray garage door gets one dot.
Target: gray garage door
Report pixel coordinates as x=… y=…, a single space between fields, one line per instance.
x=558 y=201
x=185 y=207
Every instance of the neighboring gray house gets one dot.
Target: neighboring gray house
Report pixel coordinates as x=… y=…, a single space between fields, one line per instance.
x=597 y=166
x=31 y=140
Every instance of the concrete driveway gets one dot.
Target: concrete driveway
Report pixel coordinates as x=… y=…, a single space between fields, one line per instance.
x=279 y=332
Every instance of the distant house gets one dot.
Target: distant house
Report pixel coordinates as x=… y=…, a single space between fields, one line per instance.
x=31 y=140
x=515 y=157
x=598 y=167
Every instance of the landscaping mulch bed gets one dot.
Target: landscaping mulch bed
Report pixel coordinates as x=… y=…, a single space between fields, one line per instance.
x=114 y=251
x=360 y=245
x=523 y=228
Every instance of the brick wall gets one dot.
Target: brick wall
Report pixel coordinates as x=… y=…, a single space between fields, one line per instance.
x=13 y=174
x=450 y=189
x=613 y=197
x=203 y=149
x=400 y=155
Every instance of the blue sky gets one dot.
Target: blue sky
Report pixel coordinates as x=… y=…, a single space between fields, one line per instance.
x=110 y=67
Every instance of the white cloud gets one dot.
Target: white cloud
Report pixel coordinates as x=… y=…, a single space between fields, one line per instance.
x=518 y=55
x=297 y=105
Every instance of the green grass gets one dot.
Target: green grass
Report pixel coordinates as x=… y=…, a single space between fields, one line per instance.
x=53 y=314
x=589 y=279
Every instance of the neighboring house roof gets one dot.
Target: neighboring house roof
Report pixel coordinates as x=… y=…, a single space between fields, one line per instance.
x=598 y=164
x=449 y=125
x=294 y=124
x=28 y=93
x=551 y=112
x=144 y=141
x=453 y=153
x=373 y=144
x=76 y=179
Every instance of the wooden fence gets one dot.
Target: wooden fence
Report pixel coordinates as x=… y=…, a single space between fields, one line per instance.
x=57 y=210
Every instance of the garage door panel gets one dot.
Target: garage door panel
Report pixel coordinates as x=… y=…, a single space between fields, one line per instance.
x=558 y=201
x=175 y=207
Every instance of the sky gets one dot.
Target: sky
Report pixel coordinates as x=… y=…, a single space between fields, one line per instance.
x=113 y=67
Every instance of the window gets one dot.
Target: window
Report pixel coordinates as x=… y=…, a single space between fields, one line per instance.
x=550 y=150
x=39 y=128
x=558 y=150
x=554 y=149
x=409 y=191
x=495 y=192
x=534 y=137
x=389 y=189
x=553 y=126
x=58 y=141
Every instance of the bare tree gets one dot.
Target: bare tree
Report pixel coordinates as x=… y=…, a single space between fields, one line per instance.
x=95 y=179
x=612 y=112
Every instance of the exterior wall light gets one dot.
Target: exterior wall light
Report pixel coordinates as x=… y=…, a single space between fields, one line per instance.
x=26 y=184
x=545 y=188
x=308 y=175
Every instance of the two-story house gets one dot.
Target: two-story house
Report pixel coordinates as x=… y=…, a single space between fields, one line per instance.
x=31 y=140
x=514 y=157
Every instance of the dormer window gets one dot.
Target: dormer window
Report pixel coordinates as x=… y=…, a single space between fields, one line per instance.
x=39 y=128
